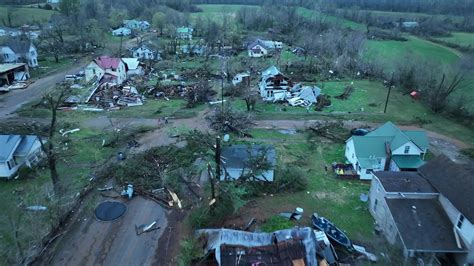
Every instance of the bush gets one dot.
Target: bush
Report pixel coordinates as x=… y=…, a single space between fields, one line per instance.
x=47 y=7
x=276 y=223
x=189 y=252
x=286 y=180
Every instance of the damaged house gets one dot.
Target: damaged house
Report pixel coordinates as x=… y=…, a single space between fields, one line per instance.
x=387 y=148
x=290 y=247
x=254 y=162
x=429 y=213
x=16 y=50
x=134 y=67
x=17 y=151
x=9 y=73
x=106 y=69
x=273 y=82
x=145 y=52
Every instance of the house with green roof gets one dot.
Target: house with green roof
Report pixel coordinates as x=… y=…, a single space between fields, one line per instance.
x=185 y=33
x=387 y=149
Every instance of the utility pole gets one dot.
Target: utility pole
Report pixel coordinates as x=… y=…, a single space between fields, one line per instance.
x=390 y=85
x=120 y=48
x=218 y=156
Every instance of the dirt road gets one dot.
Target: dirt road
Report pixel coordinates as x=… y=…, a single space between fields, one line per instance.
x=439 y=144
x=95 y=242
x=12 y=101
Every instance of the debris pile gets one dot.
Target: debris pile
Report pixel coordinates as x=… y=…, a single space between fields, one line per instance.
x=110 y=96
x=276 y=87
x=347 y=92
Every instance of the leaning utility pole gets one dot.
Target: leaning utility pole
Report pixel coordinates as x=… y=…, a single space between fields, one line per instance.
x=390 y=85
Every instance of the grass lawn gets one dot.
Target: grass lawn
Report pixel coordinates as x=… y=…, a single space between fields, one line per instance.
x=460 y=38
x=82 y=154
x=371 y=96
x=344 y=23
x=175 y=108
x=394 y=51
x=24 y=15
x=48 y=65
x=335 y=199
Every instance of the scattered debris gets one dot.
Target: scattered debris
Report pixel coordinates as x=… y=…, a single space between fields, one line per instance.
x=329 y=130
x=64 y=133
x=146 y=228
x=175 y=199
x=364 y=197
x=296 y=215
x=250 y=223
x=109 y=95
x=121 y=156
x=128 y=191
x=347 y=93
x=360 y=249
x=105 y=188
x=37 y=208
x=298 y=246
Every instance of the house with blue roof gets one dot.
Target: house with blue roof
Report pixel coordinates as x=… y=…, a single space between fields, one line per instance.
x=387 y=149
x=17 y=151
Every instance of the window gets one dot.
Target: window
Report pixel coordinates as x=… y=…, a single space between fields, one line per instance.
x=369 y=171
x=352 y=156
x=93 y=71
x=460 y=221
x=375 y=205
x=407 y=149
x=9 y=166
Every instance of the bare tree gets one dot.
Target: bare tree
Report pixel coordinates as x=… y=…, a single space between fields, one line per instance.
x=437 y=93
x=53 y=100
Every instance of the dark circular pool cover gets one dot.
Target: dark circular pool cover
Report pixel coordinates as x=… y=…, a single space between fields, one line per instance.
x=110 y=210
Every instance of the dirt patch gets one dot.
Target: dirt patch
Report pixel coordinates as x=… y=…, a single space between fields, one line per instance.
x=168 y=248
x=327 y=196
x=113 y=243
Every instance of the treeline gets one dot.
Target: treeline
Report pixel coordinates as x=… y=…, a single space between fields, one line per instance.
x=303 y=3
x=458 y=7
x=20 y=2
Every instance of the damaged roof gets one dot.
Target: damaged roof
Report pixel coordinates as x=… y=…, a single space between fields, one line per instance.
x=239 y=156
x=224 y=241
x=8 y=143
x=106 y=62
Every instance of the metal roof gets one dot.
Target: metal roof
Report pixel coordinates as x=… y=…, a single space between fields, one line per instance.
x=10 y=66
x=239 y=156
x=218 y=237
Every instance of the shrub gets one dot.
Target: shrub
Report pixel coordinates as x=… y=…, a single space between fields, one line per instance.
x=276 y=223
x=189 y=252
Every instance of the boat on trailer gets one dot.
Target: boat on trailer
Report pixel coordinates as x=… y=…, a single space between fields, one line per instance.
x=334 y=233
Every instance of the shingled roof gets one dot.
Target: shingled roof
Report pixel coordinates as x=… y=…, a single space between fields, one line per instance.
x=454 y=181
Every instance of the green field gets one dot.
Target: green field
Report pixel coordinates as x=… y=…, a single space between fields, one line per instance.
x=335 y=199
x=391 y=52
x=25 y=15
x=344 y=23
x=465 y=39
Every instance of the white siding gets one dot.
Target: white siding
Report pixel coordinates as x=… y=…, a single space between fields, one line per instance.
x=93 y=70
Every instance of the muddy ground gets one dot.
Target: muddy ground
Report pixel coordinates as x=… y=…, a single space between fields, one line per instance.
x=93 y=242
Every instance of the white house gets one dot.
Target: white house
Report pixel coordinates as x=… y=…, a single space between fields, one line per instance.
x=145 y=52
x=133 y=66
x=386 y=148
x=106 y=68
x=274 y=84
x=185 y=33
x=241 y=77
x=238 y=161
x=19 y=51
x=428 y=212
x=122 y=32
x=136 y=24
x=257 y=49
x=17 y=151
